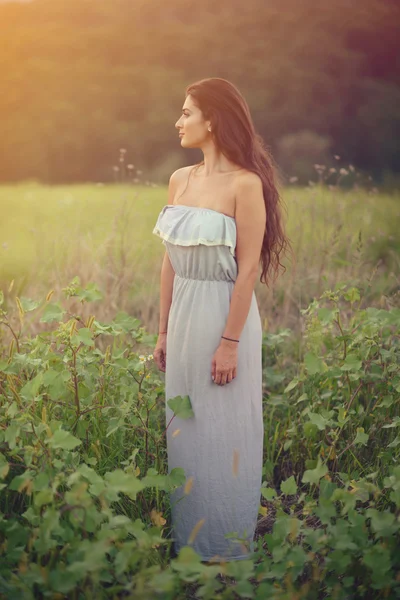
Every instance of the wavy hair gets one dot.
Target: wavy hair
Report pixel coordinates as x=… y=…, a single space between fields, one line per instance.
x=235 y=136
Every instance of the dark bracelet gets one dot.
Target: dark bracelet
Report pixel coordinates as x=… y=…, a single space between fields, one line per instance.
x=230 y=339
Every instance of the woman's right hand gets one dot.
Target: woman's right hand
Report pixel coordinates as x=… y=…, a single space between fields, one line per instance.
x=160 y=351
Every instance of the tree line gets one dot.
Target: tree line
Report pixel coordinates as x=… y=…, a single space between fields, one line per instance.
x=82 y=79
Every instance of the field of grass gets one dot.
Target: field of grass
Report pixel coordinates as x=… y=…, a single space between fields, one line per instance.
x=84 y=507
x=104 y=234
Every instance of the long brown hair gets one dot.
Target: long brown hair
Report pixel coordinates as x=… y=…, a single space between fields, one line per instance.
x=235 y=136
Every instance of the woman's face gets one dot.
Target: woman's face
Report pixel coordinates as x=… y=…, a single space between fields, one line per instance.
x=192 y=125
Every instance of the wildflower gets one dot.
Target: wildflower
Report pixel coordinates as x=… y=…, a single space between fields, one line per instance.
x=343 y=172
x=139 y=172
x=142 y=358
x=115 y=168
x=337 y=156
x=150 y=357
x=122 y=150
x=130 y=166
x=351 y=168
x=332 y=170
x=293 y=179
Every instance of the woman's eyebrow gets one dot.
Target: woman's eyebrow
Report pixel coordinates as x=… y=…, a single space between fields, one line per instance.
x=186 y=109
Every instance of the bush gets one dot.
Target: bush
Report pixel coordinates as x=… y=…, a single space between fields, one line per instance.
x=84 y=488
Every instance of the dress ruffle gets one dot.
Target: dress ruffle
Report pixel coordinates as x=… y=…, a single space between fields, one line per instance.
x=184 y=225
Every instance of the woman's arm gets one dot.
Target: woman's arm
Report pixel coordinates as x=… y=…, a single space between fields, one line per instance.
x=166 y=285
x=167 y=271
x=251 y=217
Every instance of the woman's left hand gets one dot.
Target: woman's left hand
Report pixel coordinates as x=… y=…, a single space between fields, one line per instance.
x=224 y=362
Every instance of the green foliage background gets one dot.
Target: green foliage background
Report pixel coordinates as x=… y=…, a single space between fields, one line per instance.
x=81 y=79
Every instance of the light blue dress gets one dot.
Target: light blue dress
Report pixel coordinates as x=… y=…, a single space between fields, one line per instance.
x=220 y=447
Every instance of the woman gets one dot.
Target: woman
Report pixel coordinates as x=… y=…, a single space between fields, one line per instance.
x=226 y=222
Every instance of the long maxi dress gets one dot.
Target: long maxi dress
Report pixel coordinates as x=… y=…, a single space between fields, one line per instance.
x=221 y=447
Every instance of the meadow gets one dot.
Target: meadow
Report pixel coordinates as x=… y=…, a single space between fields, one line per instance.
x=50 y=234
x=84 y=486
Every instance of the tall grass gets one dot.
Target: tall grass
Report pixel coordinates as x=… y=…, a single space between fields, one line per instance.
x=104 y=234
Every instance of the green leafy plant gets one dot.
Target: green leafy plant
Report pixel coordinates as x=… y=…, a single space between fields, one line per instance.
x=84 y=485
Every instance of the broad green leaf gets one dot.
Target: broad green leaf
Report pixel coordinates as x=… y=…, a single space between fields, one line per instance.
x=326 y=315
x=84 y=336
x=268 y=493
x=318 y=420
x=177 y=477
x=314 y=475
x=28 y=304
x=361 y=437
x=52 y=312
x=310 y=430
x=314 y=364
x=382 y=522
x=181 y=406
x=64 y=440
x=289 y=486
x=119 y=481
x=11 y=434
x=31 y=389
x=351 y=363
x=43 y=497
x=126 y=322
x=90 y=293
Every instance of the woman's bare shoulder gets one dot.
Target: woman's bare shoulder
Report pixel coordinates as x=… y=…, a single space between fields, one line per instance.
x=181 y=173
x=179 y=179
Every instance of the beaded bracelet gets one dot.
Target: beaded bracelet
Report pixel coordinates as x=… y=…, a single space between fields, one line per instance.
x=230 y=339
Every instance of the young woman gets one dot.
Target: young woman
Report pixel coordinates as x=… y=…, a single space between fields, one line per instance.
x=222 y=219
